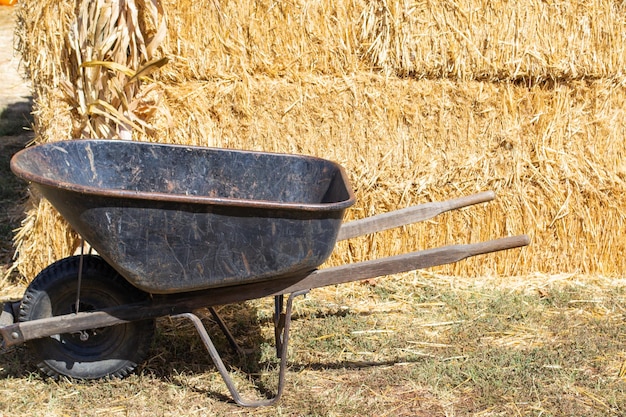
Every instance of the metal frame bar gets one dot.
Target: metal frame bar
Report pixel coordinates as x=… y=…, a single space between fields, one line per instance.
x=282 y=325
x=229 y=336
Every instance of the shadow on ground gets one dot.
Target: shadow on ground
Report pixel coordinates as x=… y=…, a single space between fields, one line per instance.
x=15 y=134
x=16 y=118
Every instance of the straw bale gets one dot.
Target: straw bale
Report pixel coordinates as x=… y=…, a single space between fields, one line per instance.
x=419 y=101
x=220 y=39
x=529 y=40
x=41 y=43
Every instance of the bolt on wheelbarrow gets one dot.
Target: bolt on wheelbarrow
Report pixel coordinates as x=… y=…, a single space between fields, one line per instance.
x=179 y=228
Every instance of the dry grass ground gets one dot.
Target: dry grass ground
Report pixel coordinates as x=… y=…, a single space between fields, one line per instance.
x=410 y=345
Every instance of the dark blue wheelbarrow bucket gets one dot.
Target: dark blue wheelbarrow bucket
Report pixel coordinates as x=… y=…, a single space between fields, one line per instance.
x=179 y=218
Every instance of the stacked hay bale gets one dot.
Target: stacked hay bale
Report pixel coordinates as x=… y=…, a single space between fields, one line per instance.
x=420 y=101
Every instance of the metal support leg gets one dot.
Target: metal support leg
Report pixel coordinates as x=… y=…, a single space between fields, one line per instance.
x=279 y=323
x=229 y=336
x=217 y=360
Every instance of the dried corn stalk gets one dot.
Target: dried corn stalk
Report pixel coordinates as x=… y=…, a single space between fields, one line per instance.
x=109 y=59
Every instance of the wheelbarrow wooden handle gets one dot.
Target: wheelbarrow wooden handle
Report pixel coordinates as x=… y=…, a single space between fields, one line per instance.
x=17 y=333
x=408 y=215
x=404 y=263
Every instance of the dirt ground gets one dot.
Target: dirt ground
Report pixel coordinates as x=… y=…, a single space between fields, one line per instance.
x=15 y=94
x=15 y=133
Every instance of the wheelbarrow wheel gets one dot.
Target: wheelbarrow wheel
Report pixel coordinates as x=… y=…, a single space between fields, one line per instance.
x=95 y=353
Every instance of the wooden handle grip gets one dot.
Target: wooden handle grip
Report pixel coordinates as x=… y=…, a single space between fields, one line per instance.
x=409 y=215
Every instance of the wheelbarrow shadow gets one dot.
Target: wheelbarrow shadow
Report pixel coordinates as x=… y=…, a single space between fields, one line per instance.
x=178 y=351
x=180 y=357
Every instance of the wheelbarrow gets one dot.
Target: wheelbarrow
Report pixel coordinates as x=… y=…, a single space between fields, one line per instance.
x=179 y=228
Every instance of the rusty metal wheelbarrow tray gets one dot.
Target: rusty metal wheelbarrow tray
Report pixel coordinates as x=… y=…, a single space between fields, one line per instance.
x=200 y=227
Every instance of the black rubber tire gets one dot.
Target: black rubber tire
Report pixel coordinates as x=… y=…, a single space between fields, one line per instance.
x=108 y=352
